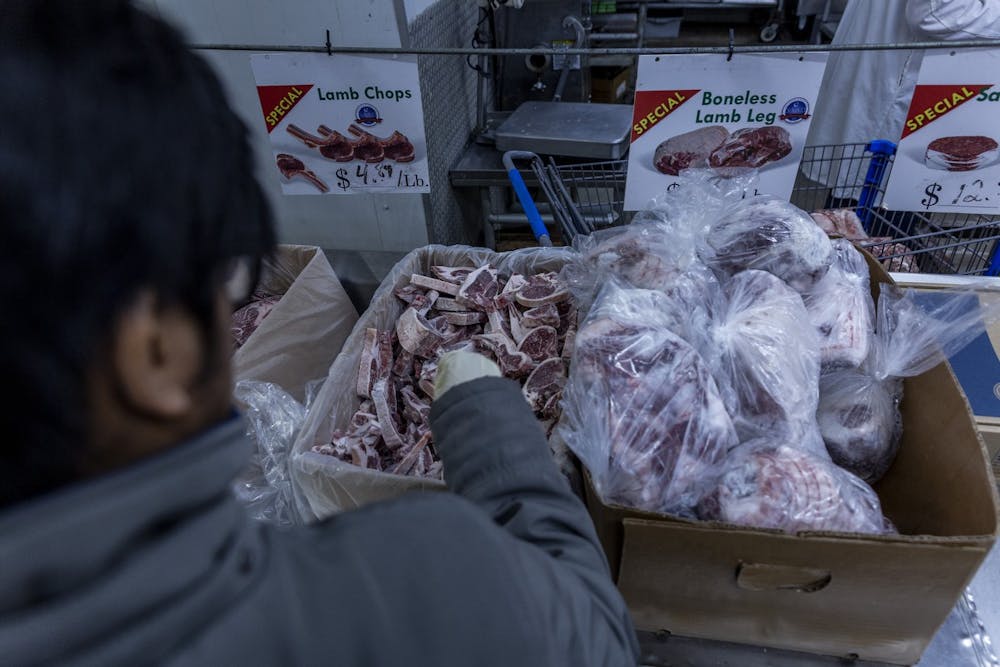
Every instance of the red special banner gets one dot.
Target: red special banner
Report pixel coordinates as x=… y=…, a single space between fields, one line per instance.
x=276 y=101
x=652 y=106
x=930 y=102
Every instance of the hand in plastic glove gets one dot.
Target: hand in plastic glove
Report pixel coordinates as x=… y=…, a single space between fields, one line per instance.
x=457 y=367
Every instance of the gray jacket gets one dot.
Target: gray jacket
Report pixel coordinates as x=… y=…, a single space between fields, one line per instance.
x=158 y=564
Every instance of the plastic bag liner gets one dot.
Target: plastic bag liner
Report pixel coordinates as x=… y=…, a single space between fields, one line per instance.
x=859 y=408
x=768 y=484
x=765 y=357
x=324 y=484
x=772 y=235
x=640 y=408
x=841 y=309
x=273 y=417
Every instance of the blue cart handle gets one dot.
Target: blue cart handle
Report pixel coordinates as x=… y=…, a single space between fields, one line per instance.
x=534 y=217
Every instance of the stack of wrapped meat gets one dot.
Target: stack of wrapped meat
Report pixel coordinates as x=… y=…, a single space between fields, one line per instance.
x=744 y=377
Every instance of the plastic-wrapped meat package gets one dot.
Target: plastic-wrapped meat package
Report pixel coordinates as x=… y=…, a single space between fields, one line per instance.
x=769 y=234
x=765 y=358
x=860 y=422
x=840 y=222
x=641 y=409
x=841 y=309
x=769 y=484
x=858 y=411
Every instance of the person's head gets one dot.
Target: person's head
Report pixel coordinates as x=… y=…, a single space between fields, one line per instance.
x=126 y=196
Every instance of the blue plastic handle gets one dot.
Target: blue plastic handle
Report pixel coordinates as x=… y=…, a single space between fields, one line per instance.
x=881 y=150
x=534 y=217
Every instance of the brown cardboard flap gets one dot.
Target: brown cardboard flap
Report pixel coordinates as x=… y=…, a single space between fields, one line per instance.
x=866 y=605
x=770 y=577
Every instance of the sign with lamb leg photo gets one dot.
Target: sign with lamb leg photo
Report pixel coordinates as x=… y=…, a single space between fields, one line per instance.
x=948 y=158
x=697 y=111
x=343 y=124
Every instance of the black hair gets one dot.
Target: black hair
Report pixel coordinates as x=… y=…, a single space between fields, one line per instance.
x=122 y=168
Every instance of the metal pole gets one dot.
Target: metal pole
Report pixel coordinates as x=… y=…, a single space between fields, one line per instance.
x=604 y=51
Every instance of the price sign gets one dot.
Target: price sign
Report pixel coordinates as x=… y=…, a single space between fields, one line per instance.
x=704 y=111
x=343 y=124
x=948 y=158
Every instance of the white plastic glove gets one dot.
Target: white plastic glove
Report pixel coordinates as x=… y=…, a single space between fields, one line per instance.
x=460 y=366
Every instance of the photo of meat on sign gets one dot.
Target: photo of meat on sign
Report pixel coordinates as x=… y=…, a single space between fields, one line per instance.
x=715 y=147
x=962 y=153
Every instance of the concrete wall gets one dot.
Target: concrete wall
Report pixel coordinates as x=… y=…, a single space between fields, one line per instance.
x=393 y=223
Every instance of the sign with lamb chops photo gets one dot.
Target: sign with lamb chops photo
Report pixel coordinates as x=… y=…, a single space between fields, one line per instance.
x=343 y=124
x=948 y=158
x=707 y=111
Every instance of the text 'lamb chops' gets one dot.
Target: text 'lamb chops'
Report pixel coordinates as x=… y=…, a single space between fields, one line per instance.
x=365 y=148
x=334 y=146
x=396 y=147
x=290 y=166
x=525 y=323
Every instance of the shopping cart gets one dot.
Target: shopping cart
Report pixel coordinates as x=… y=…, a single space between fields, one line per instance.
x=590 y=196
x=905 y=241
x=583 y=197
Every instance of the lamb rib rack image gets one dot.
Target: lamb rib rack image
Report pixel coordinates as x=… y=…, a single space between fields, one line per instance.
x=290 y=166
x=334 y=146
x=396 y=147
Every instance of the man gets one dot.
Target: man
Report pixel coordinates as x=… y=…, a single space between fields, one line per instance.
x=127 y=202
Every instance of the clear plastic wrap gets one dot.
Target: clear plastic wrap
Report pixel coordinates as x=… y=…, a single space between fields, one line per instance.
x=326 y=485
x=765 y=358
x=841 y=309
x=768 y=484
x=772 y=235
x=641 y=409
x=858 y=411
x=660 y=245
x=274 y=418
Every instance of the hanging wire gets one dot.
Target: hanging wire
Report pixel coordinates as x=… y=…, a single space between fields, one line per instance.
x=604 y=51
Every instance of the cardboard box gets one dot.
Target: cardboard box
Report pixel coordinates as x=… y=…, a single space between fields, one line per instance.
x=879 y=598
x=302 y=335
x=608 y=84
x=323 y=484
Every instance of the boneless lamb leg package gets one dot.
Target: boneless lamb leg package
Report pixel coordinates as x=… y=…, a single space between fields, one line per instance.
x=878 y=597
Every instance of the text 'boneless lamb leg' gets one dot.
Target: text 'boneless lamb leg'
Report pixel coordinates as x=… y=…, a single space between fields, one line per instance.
x=292 y=166
x=396 y=147
x=334 y=146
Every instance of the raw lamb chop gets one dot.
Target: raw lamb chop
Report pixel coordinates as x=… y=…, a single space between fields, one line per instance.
x=334 y=146
x=290 y=166
x=765 y=358
x=769 y=234
x=767 y=484
x=841 y=308
x=396 y=147
x=752 y=147
x=248 y=318
x=690 y=149
x=641 y=408
x=893 y=256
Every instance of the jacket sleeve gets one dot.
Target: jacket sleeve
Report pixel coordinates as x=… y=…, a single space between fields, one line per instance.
x=954 y=19
x=496 y=456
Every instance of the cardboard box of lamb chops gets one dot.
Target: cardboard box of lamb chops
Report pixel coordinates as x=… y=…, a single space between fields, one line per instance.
x=295 y=324
x=366 y=436
x=877 y=597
